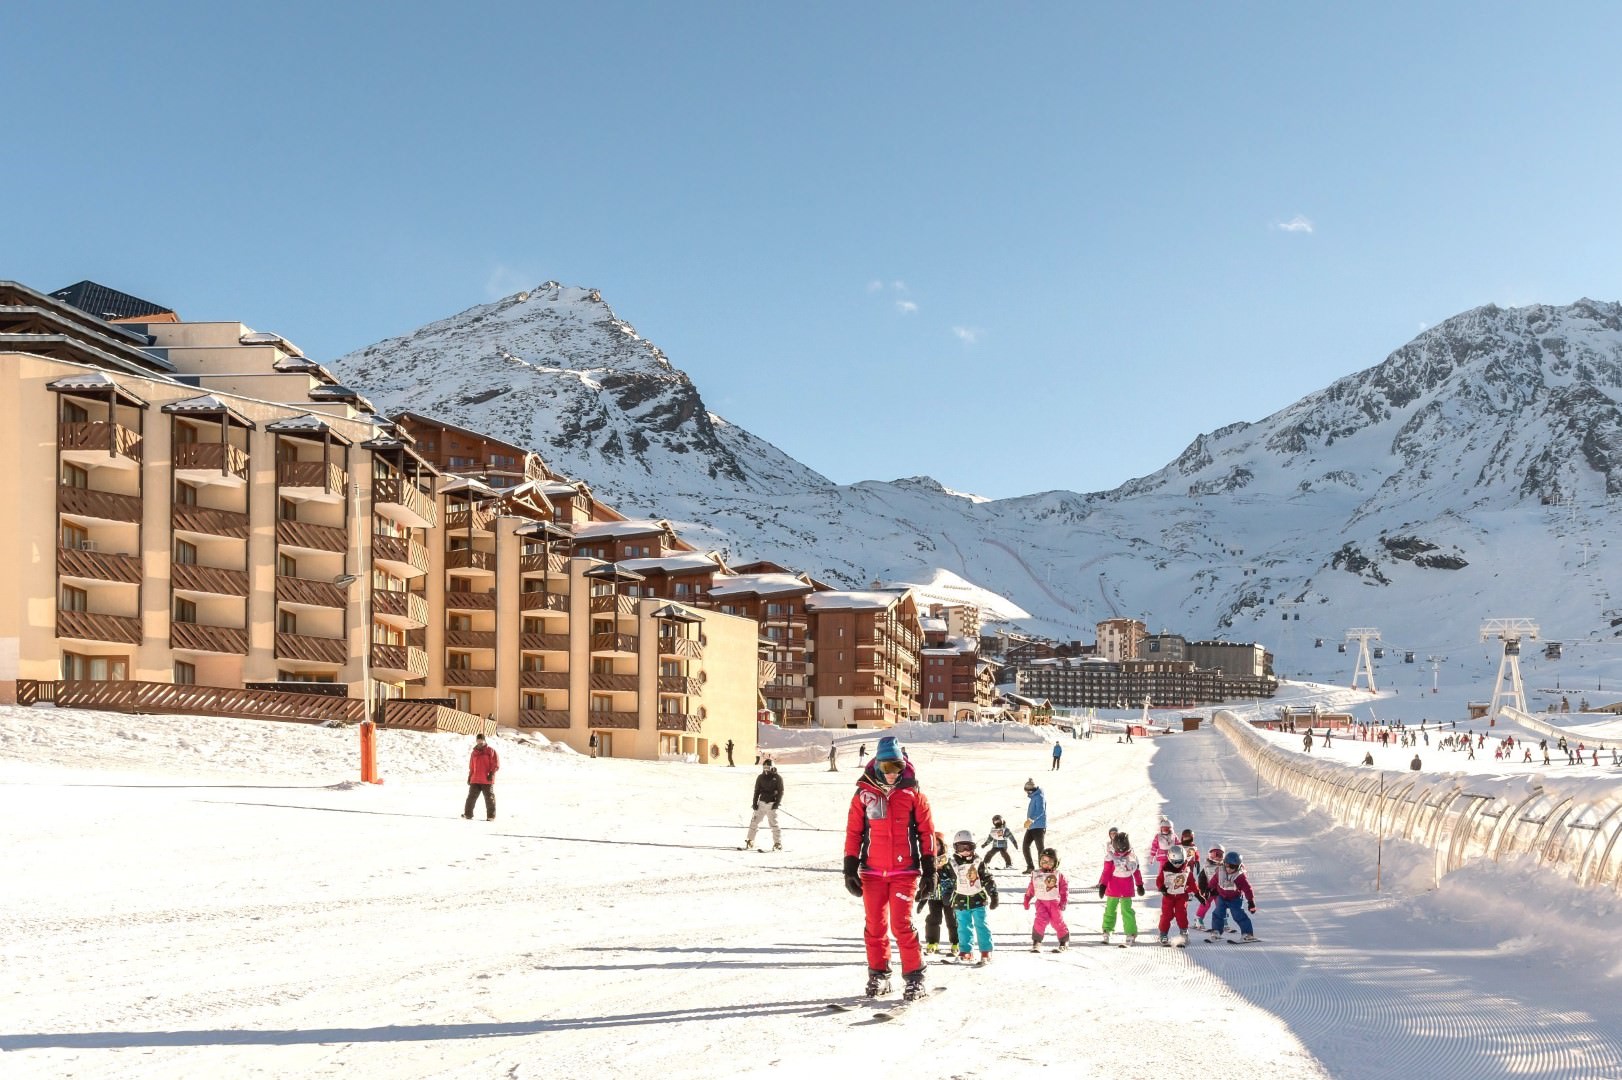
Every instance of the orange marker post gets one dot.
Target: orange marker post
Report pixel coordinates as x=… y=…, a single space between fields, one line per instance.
x=368 y=753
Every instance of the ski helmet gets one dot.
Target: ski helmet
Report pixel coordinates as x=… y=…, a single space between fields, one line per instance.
x=963 y=836
x=1051 y=853
x=996 y=819
x=1165 y=824
x=1123 y=843
x=1175 y=856
x=1231 y=859
x=1216 y=851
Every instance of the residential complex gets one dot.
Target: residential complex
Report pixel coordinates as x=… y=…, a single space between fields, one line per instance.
x=1130 y=666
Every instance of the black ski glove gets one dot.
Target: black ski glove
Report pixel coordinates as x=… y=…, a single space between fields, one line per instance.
x=853 y=880
x=1140 y=890
x=1253 y=909
x=926 y=877
x=993 y=904
x=1163 y=892
x=1101 y=890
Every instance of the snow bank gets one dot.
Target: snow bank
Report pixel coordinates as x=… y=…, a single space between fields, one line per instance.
x=811 y=744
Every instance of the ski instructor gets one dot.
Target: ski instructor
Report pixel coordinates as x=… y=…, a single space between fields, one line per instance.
x=889 y=859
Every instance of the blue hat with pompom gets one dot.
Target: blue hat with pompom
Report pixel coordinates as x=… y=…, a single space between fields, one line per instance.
x=889 y=749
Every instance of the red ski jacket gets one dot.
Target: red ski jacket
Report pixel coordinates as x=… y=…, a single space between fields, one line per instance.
x=482 y=765
x=889 y=830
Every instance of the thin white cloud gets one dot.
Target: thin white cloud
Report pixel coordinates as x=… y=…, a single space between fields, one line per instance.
x=906 y=307
x=898 y=285
x=968 y=335
x=1299 y=223
x=875 y=286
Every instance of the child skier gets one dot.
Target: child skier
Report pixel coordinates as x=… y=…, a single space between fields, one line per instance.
x=1000 y=840
x=939 y=901
x=1162 y=843
x=1228 y=885
x=1051 y=892
x=1118 y=880
x=973 y=892
x=1206 y=872
x=1177 y=881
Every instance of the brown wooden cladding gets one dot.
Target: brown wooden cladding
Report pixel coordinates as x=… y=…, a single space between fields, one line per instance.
x=785 y=690
x=551 y=719
x=398 y=549
x=470 y=559
x=162 y=697
x=409 y=606
x=625 y=643
x=470 y=639
x=396 y=490
x=323 y=650
x=681 y=684
x=470 y=601
x=604 y=681
x=93 y=626
x=544 y=680
x=325 y=476
x=199 y=637
x=537 y=561
x=98 y=565
x=687 y=648
x=215 y=580
x=543 y=601
x=404 y=658
x=314 y=537
x=100 y=435
x=459 y=520
x=692 y=723
x=601 y=719
x=426 y=716
x=469 y=677
x=207 y=520
x=106 y=505
x=618 y=605
x=219 y=457
x=297 y=590
x=544 y=642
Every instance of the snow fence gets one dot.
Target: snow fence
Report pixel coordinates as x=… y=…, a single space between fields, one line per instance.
x=1573 y=826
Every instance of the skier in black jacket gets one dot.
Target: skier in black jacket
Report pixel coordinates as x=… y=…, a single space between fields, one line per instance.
x=768 y=796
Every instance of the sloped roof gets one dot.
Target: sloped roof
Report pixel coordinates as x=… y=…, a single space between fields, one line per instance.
x=104 y=303
x=672 y=564
x=758 y=584
x=207 y=405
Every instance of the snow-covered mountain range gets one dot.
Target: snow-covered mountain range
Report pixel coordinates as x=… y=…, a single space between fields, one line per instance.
x=1471 y=474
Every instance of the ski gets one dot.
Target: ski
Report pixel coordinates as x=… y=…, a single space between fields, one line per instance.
x=1242 y=941
x=890 y=1012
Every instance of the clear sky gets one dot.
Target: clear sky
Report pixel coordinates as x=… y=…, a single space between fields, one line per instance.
x=1015 y=247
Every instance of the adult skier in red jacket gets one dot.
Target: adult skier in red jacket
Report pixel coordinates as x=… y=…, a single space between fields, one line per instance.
x=889 y=858
x=481 y=778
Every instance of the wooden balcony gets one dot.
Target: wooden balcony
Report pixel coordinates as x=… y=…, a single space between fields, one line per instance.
x=310 y=593
x=310 y=537
x=618 y=606
x=549 y=719
x=785 y=691
x=795 y=717
x=427 y=716
x=613 y=643
x=686 y=648
x=98 y=505
x=470 y=601
x=213 y=580
x=470 y=639
x=543 y=601
x=403 y=557
x=471 y=559
x=402 y=497
x=691 y=723
x=93 y=626
x=470 y=677
x=682 y=684
x=618 y=683
x=618 y=720
x=211 y=457
x=467 y=518
x=185 y=700
x=98 y=566
x=764 y=673
x=210 y=522
x=544 y=642
x=544 y=680
x=538 y=562
x=314 y=479
x=404 y=609
x=405 y=662
x=77 y=441
x=198 y=637
x=320 y=650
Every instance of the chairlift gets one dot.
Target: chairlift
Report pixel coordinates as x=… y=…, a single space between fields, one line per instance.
x=1379 y=653
x=1551 y=651
x=1342 y=646
x=1317 y=643
x=1407 y=657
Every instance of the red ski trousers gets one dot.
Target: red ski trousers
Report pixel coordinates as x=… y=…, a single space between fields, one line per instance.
x=1173 y=907
x=888 y=901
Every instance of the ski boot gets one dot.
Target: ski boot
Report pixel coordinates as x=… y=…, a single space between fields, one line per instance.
x=1105 y=939
x=1183 y=943
x=748 y=845
x=1131 y=939
x=1164 y=940
x=985 y=958
x=777 y=847
x=1036 y=943
x=1247 y=937
x=1064 y=943
x=878 y=983
x=932 y=947
x=912 y=985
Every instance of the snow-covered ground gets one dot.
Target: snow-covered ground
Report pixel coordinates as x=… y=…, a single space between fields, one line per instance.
x=203 y=897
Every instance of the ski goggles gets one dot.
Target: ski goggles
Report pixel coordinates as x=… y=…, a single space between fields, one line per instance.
x=891 y=766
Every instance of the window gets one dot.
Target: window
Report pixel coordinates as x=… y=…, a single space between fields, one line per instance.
x=74 y=413
x=74 y=599
x=602 y=665
x=185 y=610
x=682 y=588
x=286 y=622
x=186 y=553
x=286 y=510
x=533 y=701
x=76 y=536
x=286 y=565
x=185 y=435
x=459 y=622
x=185 y=494
x=602 y=703
x=185 y=674
x=74 y=476
x=459 y=661
x=304 y=676
x=533 y=624
x=77 y=668
x=460 y=584
x=462 y=700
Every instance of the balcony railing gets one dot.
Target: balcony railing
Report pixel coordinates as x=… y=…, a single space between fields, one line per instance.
x=407 y=555
x=537 y=561
x=470 y=639
x=98 y=565
x=616 y=605
x=469 y=677
x=410 y=661
x=323 y=476
x=210 y=522
x=682 y=684
x=113 y=438
x=601 y=719
x=406 y=607
x=101 y=505
x=613 y=643
x=876 y=716
x=550 y=719
x=426 y=716
x=620 y=683
x=321 y=650
x=765 y=673
x=213 y=580
x=470 y=601
x=544 y=680
x=691 y=723
x=186 y=700
x=788 y=690
x=396 y=490
x=322 y=594
x=93 y=626
x=459 y=520
x=470 y=559
x=795 y=717
x=199 y=637
x=219 y=457
x=687 y=648
x=544 y=642
x=303 y=534
x=543 y=601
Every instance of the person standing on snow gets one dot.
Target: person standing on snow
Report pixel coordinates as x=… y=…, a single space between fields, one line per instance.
x=1162 y=844
x=1228 y=885
x=939 y=902
x=768 y=796
x=1051 y=892
x=730 y=763
x=1119 y=879
x=973 y=892
x=481 y=778
x=889 y=858
x=1058 y=752
x=1036 y=824
x=1177 y=881
x=999 y=840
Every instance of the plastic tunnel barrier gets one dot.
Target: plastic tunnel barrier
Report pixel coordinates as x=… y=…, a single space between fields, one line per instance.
x=1460 y=819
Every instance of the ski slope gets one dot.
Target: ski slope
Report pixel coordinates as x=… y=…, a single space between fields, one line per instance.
x=192 y=897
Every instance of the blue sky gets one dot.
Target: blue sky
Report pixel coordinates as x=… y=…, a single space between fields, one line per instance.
x=1014 y=247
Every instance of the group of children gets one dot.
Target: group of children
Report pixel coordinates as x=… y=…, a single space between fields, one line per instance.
x=965 y=890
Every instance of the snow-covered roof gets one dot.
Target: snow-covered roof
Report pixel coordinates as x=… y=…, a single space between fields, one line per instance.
x=758 y=584
x=206 y=405
x=95 y=379
x=566 y=488
x=305 y=424
x=265 y=337
x=675 y=564
x=840 y=601
x=455 y=485
x=591 y=530
x=932 y=623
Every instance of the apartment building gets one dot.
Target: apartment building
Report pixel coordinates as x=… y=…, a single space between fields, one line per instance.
x=1121 y=639
x=209 y=521
x=775 y=599
x=956 y=684
x=865 y=646
x=1118 y=684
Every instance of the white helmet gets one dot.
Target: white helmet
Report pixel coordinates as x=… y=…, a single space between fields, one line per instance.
x=963 y=836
